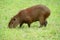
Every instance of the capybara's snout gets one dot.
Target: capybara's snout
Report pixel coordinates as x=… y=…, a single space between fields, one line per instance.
x=10 y=25
x=13 y=22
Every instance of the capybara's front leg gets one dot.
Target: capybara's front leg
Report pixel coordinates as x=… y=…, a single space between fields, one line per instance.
x=21 y=25
x=29 y=25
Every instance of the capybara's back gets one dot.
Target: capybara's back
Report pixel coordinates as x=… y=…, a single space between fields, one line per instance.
x=36 y=12
x=32 y=14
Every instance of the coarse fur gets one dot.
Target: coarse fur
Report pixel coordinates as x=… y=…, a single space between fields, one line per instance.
x=35 y=13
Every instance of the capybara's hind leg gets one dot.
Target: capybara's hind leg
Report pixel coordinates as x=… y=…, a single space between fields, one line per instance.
x=45 y=23
x=41 y=20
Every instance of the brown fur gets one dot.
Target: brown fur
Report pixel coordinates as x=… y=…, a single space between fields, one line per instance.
x=29 y=15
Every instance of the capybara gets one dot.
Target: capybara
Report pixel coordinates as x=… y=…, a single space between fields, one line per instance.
x=35 y=13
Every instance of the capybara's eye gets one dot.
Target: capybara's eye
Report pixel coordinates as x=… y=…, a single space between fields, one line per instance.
x=14 y=19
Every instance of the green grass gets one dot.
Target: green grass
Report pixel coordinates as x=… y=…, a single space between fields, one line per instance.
x=9 y=8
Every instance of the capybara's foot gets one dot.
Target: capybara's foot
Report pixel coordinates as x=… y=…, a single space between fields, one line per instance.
x=45 y=24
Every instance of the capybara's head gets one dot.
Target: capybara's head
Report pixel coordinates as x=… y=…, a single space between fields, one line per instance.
x=13 y=22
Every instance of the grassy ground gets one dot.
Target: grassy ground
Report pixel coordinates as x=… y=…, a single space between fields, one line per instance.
x=9 y=8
